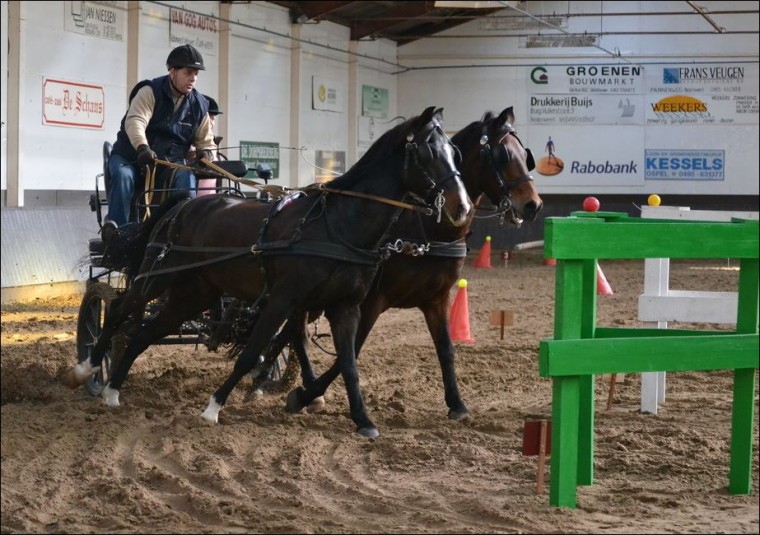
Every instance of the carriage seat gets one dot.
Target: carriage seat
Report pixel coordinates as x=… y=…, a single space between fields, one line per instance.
x=107 y=147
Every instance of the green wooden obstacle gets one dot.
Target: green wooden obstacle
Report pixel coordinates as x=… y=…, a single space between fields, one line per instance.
x=580 y=349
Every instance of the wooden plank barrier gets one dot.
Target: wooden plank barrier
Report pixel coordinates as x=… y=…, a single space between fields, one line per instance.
x=659 y=304
x=580 y=349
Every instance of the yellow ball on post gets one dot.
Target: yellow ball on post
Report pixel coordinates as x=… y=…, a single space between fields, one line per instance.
x=462 y=283
x=654 y=200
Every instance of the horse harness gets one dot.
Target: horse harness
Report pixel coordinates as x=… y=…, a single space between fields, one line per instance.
x=332 y=249
x=497 y=158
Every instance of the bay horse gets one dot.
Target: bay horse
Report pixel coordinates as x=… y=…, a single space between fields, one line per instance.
x=495 y=164
x=322 y=251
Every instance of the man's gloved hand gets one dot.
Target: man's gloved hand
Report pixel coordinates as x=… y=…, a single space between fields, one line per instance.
x=206 y=153
x=145 y=156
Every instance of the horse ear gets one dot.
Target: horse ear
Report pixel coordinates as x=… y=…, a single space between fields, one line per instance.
x=506 y=116
x=438 y=113
x=427 y=114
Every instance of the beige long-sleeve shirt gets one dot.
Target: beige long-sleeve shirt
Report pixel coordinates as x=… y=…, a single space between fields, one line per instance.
x=141 y=110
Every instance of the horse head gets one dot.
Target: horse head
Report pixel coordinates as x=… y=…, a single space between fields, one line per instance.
x=430 y=170
x=497 y=164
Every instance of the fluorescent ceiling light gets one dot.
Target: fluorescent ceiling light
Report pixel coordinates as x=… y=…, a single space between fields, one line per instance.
x=477 y=5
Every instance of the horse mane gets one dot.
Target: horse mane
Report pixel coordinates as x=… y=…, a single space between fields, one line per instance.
x=377 y=155
x=474 y=128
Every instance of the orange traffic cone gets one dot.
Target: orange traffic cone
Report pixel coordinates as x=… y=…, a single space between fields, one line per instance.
x=602 y=286
x=459 y=320
x=484 y=256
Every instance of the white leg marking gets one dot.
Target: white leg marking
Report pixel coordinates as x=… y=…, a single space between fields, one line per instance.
x=211 y=414
x=110 y=396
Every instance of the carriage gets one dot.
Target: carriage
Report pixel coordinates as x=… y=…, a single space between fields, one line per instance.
x=109 y=277
x=406 y=196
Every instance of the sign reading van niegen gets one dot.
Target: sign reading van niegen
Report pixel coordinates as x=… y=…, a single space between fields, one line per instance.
x=72 y=104
x=105 y=20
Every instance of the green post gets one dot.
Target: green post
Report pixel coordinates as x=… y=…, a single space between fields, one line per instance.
x=580 y=349
x=740 y=473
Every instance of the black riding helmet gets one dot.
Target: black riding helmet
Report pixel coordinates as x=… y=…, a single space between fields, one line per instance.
x=213 y=107
x=185 y=56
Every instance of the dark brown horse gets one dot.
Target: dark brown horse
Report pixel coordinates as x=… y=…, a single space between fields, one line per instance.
x=494 y=163
x=320 y=252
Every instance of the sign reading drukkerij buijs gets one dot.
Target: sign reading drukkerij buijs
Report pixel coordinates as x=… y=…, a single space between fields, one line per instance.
x=188 y=28
x=254 y=153
x=72 y=104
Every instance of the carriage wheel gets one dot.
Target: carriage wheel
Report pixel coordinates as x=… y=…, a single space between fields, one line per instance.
x=92 y=314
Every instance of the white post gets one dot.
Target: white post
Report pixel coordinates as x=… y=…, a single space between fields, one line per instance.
x=659 y=304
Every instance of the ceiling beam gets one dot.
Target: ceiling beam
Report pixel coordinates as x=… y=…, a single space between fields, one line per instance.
x=315 y=10
x=407 y=11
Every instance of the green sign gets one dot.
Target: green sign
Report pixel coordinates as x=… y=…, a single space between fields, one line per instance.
x=254 y=153
x=374 y=102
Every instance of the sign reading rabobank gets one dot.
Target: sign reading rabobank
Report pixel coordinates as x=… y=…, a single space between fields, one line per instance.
x=681 y=164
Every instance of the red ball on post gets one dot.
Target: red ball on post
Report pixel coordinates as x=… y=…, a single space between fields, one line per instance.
x=591 y=204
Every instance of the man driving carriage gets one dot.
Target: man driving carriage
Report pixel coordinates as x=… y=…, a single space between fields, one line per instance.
x=166 y=116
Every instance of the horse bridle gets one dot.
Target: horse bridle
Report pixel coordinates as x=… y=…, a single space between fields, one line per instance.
x=435 y=187
x=505 y=186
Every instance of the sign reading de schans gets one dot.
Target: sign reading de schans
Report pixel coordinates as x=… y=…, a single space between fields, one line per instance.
x=72 y=104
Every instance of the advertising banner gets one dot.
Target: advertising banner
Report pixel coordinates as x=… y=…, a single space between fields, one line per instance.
x=72 y=104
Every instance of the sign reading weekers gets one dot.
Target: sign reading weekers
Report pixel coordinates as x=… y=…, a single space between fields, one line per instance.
x=72 y=104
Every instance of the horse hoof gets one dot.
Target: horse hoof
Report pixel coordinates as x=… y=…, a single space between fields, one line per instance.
x=253 y=394
x=292 y=405
x=459 y=416
x=369 y=432
x=110 y=396
x=211 y=414
x=316 y=405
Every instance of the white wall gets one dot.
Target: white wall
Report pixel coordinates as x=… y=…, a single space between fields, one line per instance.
x=466 y=76
x=469 y=76
x=257 y=104
x=3 y=92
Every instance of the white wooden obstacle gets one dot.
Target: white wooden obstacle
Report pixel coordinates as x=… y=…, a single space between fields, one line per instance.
x=659 y=304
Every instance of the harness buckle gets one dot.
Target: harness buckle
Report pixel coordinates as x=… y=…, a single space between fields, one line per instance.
x=164 y=250
x=439 y=202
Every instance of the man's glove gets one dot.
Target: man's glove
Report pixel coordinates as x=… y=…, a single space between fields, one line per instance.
x=145 y=156
x=206 y=153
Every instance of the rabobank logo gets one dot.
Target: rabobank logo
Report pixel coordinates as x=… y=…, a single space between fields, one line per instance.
x=539 y=76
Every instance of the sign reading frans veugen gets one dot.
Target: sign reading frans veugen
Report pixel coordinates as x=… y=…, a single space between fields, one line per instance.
x=72 y=104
